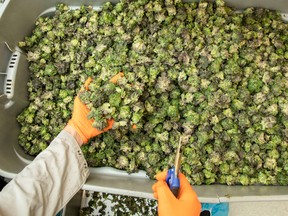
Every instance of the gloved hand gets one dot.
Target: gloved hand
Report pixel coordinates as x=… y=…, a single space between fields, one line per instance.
x=81 y=123
x=168 y=205
x=115 y=78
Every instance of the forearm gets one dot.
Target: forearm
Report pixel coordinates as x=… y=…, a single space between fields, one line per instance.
x=74 y=133
x=49 y=182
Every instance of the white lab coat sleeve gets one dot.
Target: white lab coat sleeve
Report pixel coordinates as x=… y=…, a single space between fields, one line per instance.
x=46 y=185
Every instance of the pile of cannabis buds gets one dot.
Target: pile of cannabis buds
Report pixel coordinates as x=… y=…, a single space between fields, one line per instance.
x=104 y=203
x=203 y=71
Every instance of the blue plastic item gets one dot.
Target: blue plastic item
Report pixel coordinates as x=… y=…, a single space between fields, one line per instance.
x=173 y=181
x=216 y=209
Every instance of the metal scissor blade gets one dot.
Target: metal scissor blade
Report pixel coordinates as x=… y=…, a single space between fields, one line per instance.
x=177 y=162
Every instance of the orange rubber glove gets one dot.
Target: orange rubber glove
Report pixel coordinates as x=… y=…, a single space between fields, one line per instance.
x=115 y=78
x=168 y=205
x=81 y=123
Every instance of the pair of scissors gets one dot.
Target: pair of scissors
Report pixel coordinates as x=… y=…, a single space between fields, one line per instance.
x=172 y=174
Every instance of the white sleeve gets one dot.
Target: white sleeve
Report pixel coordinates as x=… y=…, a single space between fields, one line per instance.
x=46 y=185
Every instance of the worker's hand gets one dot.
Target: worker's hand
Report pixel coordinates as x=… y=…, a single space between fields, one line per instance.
x=81 y=123
x=168 y=205
x=115 y=78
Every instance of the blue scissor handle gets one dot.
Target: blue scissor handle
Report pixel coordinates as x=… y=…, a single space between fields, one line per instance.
x=173 y=181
